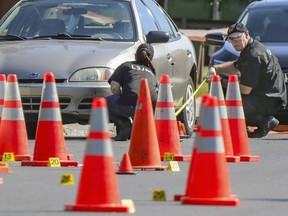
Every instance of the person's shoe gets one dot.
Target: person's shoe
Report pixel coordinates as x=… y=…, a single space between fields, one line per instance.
x=265 y=128
x=125 y=132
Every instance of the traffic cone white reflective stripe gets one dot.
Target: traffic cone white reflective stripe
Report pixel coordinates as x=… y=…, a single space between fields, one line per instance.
x=209 y=181
x=211 y=131
x=98 y=186
x=236 y=119
x=13 y=106
x=233 y=100
x=50 y=141
x=166 y=123
x=13 y=121
x=165 y=106
x=196 y=143
x=216 y=90
x=99 y=137
x=50 y=107
x=2 y=92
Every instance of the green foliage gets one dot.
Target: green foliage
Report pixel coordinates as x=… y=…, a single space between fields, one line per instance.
x=205 y=87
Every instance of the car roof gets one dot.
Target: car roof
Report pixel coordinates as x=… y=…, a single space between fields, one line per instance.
x=55 y=1
x=267 y=3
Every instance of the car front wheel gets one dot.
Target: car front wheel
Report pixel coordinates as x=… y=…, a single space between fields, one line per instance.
x=188 y=114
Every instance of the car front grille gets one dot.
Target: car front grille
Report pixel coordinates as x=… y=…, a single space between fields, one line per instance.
x=86 y=103
x=33 y=103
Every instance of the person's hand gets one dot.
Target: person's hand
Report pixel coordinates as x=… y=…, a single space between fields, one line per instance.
x=211 y=72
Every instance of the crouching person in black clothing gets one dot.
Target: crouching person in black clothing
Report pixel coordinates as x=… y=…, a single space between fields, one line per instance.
x=125 y=83
x=262 y=83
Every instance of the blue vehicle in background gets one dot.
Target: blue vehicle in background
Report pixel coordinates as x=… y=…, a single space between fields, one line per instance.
x=267 y=22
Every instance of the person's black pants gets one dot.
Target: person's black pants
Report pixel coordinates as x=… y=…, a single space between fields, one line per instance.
x=258 y=109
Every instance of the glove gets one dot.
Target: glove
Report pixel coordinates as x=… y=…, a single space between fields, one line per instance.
x=211 y=72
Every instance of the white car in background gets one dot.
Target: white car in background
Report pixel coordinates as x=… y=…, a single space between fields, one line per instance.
x=82 y=42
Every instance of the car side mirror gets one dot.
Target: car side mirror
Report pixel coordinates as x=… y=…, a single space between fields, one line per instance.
x=157 y=37
x=216 y=39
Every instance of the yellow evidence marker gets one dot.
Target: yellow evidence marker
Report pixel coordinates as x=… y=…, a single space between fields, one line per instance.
x=173 y=166
x=168 y=156
x=8 y=156
x=54 y=162
x=159 y=195
x=67 y=179
x=128 y=203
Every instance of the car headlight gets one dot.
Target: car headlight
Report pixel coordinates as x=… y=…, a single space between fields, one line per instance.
x=91 y=75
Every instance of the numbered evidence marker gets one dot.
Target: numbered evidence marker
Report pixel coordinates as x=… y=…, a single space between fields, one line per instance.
x=159 y=195
x=3 y=164
x=54 y=162
x=173 y=166
x=8 y=156
x=168 y=156
x=67 y=179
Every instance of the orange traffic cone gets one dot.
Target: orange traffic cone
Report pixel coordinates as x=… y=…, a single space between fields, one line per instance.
x=196 y=143
x=209 y=182
x=237 y=122
x=144 y=148
x=125 y=165
x=182 y=130
x=2 y=92
x=13 y=134
x=4 y=167
x=166 y=123
x=216 y=90
x=50 y=141
x=98 y=186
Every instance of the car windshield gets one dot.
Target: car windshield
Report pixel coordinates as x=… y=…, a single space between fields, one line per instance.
x=267 y=24
x=101 y=20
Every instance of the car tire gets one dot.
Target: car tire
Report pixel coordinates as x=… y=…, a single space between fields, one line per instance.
x=188 y=115
x=31 y=129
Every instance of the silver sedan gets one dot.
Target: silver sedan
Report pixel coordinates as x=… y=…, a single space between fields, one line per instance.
x=82 y=42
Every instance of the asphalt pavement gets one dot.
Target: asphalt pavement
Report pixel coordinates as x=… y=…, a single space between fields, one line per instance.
x=262 y=187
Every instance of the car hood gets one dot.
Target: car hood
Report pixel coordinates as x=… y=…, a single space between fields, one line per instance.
x=58 y=56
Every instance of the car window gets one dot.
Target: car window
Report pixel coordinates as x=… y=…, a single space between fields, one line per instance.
x=267 y=24
x=109 y=20
x=164 y=23
x=146 y=18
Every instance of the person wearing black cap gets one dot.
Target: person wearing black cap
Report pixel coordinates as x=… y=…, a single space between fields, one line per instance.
x=125 y=83
x=262 y=82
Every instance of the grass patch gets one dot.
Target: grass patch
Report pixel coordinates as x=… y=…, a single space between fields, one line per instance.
x=204 y=88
